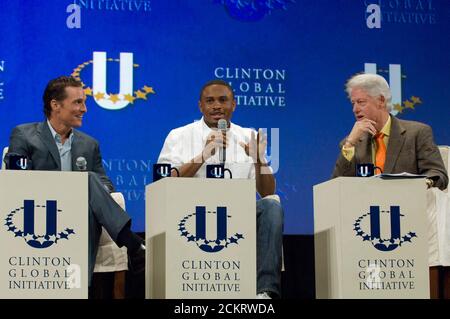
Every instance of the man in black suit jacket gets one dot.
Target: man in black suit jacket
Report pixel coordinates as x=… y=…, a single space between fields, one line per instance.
x=55 y=145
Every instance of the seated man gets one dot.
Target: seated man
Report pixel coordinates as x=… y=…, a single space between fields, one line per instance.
x=393 y=145
x=190 y=148
x=55 y=144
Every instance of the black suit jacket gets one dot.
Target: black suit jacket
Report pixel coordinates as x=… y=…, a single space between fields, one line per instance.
x=36 y=141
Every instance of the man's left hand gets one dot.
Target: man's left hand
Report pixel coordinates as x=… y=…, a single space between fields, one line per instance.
x=256 y=151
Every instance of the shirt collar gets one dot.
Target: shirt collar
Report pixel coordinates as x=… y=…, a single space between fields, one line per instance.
x=386 y=130
x=205 y=129
x=56 y=136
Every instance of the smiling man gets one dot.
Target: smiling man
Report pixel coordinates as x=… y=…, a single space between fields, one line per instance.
x=393 y=145
x=191 y=147
x=55 y=144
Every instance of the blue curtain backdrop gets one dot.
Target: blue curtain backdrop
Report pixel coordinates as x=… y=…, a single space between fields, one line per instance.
x=287 y=61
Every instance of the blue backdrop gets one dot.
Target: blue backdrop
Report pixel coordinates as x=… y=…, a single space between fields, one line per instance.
x=287 y=60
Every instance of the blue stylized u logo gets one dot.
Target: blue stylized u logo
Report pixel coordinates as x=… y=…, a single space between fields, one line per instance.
x=200 y=226
x=22 y=163
x=375 y=228
x=28 y=223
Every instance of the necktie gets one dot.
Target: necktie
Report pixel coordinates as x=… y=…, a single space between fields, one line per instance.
x=380 y=155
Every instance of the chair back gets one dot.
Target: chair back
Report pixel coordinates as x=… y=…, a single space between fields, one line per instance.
x=5 y=150
x=445 y=150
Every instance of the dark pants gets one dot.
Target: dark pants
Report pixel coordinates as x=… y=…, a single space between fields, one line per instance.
x=103 y=211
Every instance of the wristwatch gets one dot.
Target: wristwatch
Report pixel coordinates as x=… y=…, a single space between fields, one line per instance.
x=429 y=182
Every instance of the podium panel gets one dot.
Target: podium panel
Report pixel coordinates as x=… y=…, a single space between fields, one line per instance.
x=201 y=238
x=371 y=238
x=44 y=235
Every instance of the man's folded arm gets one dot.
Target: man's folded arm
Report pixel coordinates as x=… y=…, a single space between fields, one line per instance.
x=345 y=162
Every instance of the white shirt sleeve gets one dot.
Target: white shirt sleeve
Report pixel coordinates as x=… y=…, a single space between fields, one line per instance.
x=171 y=152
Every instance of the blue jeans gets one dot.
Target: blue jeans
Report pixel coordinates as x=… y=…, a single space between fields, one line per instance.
x=269 y=239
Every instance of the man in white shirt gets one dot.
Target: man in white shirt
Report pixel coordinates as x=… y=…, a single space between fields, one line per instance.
x=190 y=148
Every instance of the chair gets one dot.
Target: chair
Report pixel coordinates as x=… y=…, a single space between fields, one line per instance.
x=110 y=258
x=438 y=209
x=445 y=151
x=5 y=150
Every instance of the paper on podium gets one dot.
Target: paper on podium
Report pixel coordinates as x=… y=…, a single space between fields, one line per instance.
x=400 y=175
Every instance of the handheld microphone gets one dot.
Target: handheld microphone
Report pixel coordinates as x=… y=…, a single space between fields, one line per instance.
x=81 y=164
x=222 y=126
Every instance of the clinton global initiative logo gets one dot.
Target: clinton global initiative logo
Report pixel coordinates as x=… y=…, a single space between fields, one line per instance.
x=255 y=86
x=109 y=100
x=208 y=245
x=26 y=216
x=253 y=10
x=396 y=78
x=115 y=5
x=375 y=220
x=412 y=12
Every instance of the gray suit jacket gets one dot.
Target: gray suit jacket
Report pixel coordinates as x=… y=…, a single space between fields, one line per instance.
x=410 y=149
x=35 y=141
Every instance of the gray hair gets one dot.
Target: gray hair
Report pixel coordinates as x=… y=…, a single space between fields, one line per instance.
x=374 y=84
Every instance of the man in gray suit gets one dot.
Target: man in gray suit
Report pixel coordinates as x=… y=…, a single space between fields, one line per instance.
x=55 y=145
x=378 y=137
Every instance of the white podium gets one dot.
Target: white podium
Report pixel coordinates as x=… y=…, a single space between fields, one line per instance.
x=370 y=238
x=201 y=238
x=44 y=235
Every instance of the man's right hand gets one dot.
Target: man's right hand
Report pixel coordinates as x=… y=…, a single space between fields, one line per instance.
x=215 y=139
x=363 y=126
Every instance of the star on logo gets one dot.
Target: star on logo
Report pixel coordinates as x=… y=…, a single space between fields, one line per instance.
x=99 y=96
x=212 y=244
x=63 y=236
x=114 y=98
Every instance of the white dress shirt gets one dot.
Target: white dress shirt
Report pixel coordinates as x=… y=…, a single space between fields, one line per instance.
x=186 y=142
